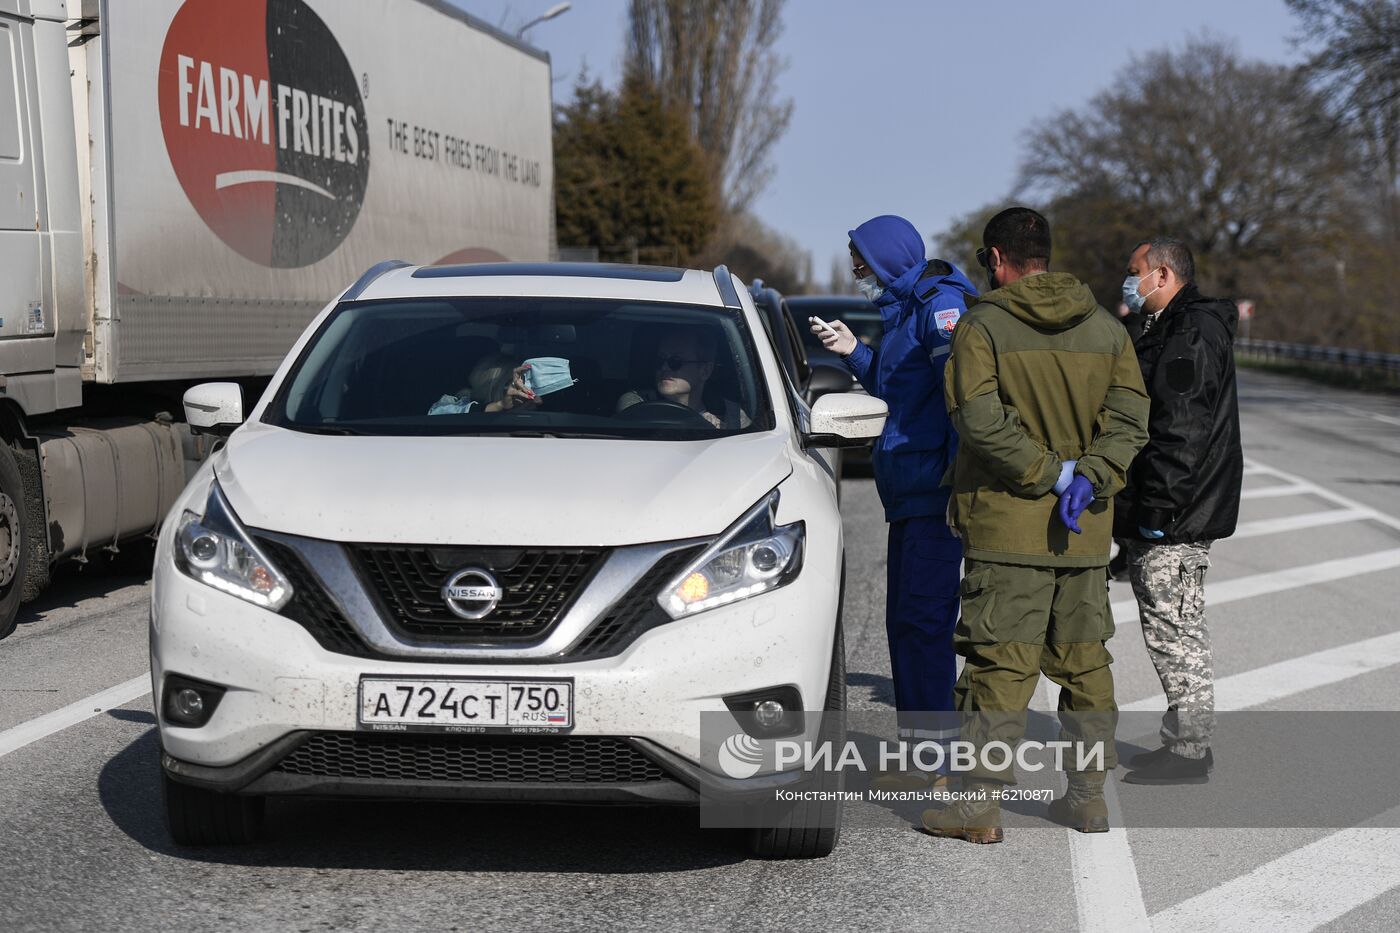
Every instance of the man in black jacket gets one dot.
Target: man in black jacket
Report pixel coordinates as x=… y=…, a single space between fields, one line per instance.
x=1183 y=493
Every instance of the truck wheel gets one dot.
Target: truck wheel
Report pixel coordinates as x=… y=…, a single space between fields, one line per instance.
x=812 y=828
x=14 y=539
x=199 y=817
x=37 y=578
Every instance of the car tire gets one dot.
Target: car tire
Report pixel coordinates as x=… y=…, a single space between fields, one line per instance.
x=196 y=816
x=812 y=828
x=14 y=539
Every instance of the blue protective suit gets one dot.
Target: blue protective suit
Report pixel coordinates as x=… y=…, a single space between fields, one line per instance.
x=922 y=303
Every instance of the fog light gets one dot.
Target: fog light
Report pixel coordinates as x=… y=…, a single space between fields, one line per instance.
x=189 y=702
x=769 y=713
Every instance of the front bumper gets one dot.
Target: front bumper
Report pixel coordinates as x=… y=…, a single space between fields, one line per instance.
x=284 y=690
x=667 y=778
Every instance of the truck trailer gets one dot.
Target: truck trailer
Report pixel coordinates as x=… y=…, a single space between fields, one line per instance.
x=184 y=184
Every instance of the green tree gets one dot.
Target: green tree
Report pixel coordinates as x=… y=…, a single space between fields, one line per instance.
x=628 y=175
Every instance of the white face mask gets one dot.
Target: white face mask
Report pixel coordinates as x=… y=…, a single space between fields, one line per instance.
x=870 y=288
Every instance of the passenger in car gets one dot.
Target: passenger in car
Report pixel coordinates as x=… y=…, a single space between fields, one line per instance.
x=495 y=384
x=685 y=361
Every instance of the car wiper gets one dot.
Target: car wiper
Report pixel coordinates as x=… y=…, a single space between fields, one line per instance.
x=331 y=429
x=558 y=434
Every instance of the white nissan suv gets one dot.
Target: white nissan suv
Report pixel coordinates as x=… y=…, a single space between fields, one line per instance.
x=504 y=532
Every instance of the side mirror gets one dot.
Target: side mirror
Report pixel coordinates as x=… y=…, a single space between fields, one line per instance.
x=846 y=419
x=826 y=379
x=214 y=408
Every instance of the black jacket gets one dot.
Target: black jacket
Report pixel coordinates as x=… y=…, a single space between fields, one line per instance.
x=1186 y=481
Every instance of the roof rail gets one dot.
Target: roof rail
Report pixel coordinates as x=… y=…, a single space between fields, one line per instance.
x=725 y=283
x=366 y=280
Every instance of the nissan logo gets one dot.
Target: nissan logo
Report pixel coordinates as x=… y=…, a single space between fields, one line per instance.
x=472 y=593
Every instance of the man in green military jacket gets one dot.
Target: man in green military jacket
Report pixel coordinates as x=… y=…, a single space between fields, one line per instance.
x=1046 y=394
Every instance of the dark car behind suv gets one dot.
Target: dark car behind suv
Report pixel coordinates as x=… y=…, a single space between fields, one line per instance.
x=813 y=369
x=862 y=317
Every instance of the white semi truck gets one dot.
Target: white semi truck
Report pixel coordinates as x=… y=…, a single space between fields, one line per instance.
x=185 y=183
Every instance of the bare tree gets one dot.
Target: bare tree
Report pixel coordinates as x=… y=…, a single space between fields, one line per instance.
x=715 y=59
x=1238 y=158
x=1355 y=62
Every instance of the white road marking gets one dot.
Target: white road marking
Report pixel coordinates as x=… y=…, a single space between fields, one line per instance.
x=1327 y=494
x=1277 y=581
x=1318 y=883
x=1374 y=416
x=1301 y=891
x=1274 y=492
x=1273 y=526
x=1107 y=893
x=46 y=725
x=1285 y=678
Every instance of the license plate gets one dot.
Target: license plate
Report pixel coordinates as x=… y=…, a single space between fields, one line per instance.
x=457 y=705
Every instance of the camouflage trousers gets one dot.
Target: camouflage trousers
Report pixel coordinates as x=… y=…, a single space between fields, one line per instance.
x=1169 y=583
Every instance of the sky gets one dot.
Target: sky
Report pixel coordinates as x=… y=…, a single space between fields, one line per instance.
x=920 y=107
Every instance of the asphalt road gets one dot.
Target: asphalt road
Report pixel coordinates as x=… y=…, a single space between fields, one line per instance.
x=1302 y=609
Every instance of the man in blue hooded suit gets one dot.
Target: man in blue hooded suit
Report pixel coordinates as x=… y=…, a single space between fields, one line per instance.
x=920 y=302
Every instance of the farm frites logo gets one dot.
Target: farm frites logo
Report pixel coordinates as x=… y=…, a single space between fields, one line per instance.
x=265 y=127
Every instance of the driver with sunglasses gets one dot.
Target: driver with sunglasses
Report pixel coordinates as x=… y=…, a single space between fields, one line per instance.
x=685 y=361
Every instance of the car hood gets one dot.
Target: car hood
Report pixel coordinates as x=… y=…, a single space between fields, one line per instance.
x=495 y=490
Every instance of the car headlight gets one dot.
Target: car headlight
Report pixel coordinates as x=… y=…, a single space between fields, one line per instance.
x=215 y=550
x=752 y=557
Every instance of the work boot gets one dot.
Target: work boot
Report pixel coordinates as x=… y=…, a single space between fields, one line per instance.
x=1082 y=807
x=1172 y=769
x=976 y=818
x=896 y=781
x=1147 y=759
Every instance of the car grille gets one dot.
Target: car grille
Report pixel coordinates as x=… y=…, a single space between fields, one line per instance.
x=312 y=607
x=471 y=759
x=635 y=612
x=538 y=583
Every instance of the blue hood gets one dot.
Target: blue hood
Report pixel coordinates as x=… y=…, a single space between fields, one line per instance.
x=891 y=246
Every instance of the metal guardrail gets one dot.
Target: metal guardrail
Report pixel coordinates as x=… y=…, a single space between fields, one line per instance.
x=1357 y=362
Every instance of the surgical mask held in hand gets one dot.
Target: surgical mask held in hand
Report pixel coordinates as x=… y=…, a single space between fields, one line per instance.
x=548 y=374
x=1131 y=298
x=870 y=288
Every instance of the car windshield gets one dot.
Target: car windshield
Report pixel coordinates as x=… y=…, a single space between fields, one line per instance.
x=526 y=367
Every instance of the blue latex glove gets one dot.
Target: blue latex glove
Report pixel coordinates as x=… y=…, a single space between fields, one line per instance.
x=1151 y=534
x=1074 y=501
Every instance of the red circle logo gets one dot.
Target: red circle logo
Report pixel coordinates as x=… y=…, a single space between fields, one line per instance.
x=265 y=127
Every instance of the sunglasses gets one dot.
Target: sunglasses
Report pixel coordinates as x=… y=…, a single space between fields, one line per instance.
x=984 y=256
x=674 y=363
